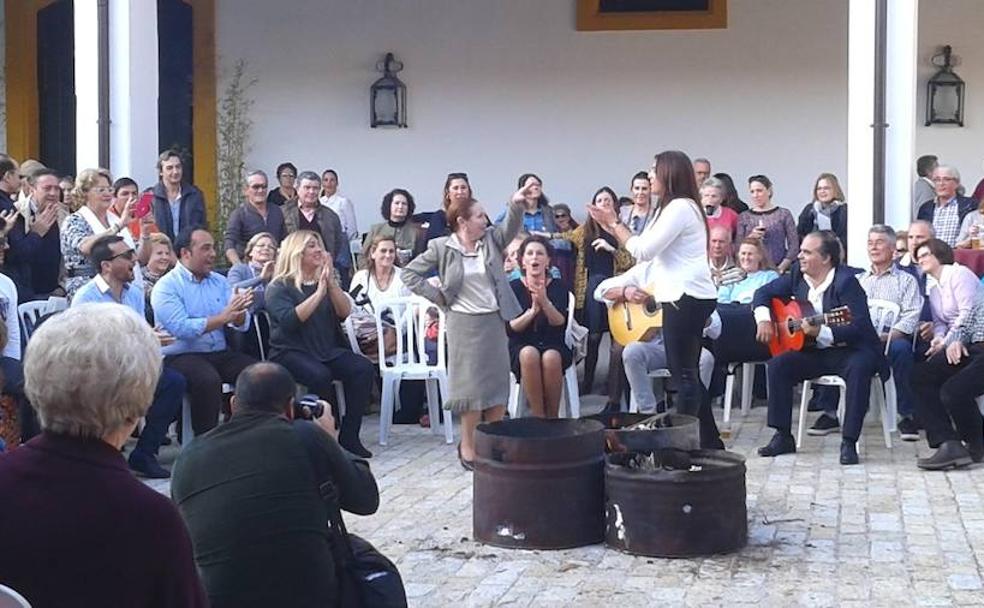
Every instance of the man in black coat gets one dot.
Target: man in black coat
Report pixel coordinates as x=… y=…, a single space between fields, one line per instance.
x=851 y=351
x=177 y=205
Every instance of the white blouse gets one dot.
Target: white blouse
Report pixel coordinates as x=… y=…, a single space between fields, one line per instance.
x=396 y=288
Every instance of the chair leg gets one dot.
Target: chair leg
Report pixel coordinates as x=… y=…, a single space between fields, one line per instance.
x=442 y=385
x=892 y=403
x=729 y=387
x=747 y=383
x=431 y=385
x=340 y=396
x=572 y=394
x=187 y=430
x=386 y=403
x=804 y=404
x=878 y=391
x=513 y=405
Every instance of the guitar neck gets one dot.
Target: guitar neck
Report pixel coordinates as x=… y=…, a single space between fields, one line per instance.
x=817 y=319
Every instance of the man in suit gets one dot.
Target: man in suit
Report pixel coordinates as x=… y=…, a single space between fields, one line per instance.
x=852 y=351
x=177 y=205
x=947 y=211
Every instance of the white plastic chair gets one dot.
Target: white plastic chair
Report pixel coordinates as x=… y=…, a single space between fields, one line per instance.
x=570 y=395
x=661 y=373
x=747 y=383
x=30 y=313
x=884 y=314
x=410 y=362
x=11 y=599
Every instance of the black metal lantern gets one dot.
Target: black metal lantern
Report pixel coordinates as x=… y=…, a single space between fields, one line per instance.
x=388 y=96
x=944 y=93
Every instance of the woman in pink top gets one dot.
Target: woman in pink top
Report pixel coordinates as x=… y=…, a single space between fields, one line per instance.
x=712 y=193
x=954 y=292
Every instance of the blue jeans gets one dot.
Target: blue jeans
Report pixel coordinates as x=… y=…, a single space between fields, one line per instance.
x=168 y=398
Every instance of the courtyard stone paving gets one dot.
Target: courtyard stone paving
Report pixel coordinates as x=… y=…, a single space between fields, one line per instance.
x=882 y=533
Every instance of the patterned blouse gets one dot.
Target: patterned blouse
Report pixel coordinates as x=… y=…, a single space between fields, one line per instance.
x=781 y=241
x=78 y=268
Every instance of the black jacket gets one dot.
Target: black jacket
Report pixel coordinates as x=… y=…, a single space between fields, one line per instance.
x=965 y=205
x=192 y=210
x=807 y=223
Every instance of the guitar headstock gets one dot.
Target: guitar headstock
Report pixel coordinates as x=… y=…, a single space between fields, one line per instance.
x=839 y=316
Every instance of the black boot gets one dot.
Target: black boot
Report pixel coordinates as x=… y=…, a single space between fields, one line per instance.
x=950 y=455
x=590 y=363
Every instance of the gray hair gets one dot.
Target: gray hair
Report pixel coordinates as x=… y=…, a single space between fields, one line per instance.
x=254 y=173
x=702 y=160
x=927 y=224
x=883 y=229
x=948 y=170
x=713 y=182
x=92 y=369
x=308 y=175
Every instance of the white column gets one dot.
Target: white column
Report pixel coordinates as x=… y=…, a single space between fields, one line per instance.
x=903 y=31
x=133 y=80
x=86 y=85
x=860 y=116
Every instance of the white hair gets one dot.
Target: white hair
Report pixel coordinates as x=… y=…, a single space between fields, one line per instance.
x=92 y=369
x=948 y=171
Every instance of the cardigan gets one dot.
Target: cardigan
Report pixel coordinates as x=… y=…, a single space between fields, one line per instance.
x=622 y=262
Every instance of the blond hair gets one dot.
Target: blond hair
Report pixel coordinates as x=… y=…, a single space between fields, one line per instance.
x=86 y=181
x=288 y=268
x=159 y=238
x=370 y=264
x=107 y=386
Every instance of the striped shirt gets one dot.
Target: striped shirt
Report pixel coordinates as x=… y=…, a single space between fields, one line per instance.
x=946 y=221
x=895 y=285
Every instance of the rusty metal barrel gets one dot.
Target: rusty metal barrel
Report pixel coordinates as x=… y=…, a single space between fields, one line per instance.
x=698 y=510
x=673 y=431
x=539 y=484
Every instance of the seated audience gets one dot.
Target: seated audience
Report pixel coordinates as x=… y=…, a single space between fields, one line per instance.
x=252 y=217
x=11 y=371
x=537 y=214
x=757 y=270
x=380 y=280
x=93 y=195
x=538 y=351
x=341 y=205
x=257 y=271
x=306 y=306
x=10 y=183
x=457 y=188
x=640 y=212
x=947 y=384
x=724 y=270
x=901 y=245
x=195 y=304
x=397 y=209
x=712 y=191
x=114 y=284
x=827 y=211
x=250 y=492
x=177 y=204
x=160 y=260
x=34 y=261
x=769 y=223
x=126 y=192
x=70 y=505
x=851 y=351
x=564 y=253
x=970 y=236
x=307 y=213
x=285 y=191
x=947 y=210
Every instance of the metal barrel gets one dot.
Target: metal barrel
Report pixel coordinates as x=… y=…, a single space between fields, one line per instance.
x=680 y=431
x=539 y=484
x=678 y=513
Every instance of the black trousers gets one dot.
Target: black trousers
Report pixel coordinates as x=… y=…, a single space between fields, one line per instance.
x=355 y=372
x=683 y=326
x=946 y=397
x=855 y=366
x=204 y=374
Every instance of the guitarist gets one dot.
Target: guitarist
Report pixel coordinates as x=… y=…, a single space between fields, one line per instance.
x=851 y=351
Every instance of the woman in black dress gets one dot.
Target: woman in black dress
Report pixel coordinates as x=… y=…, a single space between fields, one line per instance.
x=537 y=349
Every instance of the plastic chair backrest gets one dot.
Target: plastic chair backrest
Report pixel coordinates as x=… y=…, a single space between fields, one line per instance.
x=11 y=599
x=410 y=317
x=31 y=313
x=884 y=315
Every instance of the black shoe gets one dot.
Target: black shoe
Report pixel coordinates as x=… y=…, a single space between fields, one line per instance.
x=849 y=452
x=950 y=455
x=146 y=465
x=467 y=465
x=825 y=425
x=355 y=447
x=908 y=429
x=976 y=452
x=781 y=443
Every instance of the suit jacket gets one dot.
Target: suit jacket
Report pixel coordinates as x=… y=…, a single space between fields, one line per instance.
x=190 y=213
x=449 y=263
x=331 y=229
x=965 y=205
x=843 y=291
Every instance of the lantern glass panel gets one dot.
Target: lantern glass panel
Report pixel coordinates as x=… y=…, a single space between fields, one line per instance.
x=946 y=102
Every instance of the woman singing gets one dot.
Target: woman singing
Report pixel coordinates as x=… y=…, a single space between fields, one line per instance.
x=475 y=292
x=672 y=268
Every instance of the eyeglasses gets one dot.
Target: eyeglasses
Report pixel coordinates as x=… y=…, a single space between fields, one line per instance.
x=287 y=175
x=126 y=255
x=560 y=216
x=101 y=190
x=902 y=250
x=940 y=180
x=258 y=187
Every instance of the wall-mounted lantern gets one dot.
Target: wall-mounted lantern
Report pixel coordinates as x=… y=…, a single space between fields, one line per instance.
x=388 y=96
x=945 y=93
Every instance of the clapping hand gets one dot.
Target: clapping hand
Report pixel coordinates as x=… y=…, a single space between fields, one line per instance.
x=44 y=220
x=604 y=216
x=266 y=274
x=9 y=218
x=955 y=352
x=238 y=304
x=601 y=244
x=324 y=281
x=163 y=336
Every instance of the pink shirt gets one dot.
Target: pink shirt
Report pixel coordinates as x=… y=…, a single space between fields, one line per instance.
x=724 y=217
x=952 y=299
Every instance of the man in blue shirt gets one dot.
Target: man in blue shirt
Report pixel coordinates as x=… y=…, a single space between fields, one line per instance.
x=115 y=260
x=195 y=305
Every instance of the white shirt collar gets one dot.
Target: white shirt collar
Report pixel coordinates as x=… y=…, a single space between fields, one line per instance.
x=822 y=285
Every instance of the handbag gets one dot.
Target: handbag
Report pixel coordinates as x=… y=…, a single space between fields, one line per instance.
x=366 y=577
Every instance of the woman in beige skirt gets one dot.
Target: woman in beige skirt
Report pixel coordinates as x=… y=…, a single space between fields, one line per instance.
x=476 y=295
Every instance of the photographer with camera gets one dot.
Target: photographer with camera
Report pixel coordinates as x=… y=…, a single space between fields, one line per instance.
x=251 y=494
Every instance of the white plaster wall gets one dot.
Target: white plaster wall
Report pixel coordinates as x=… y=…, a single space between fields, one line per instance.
x=957 y=23
x=497 y=88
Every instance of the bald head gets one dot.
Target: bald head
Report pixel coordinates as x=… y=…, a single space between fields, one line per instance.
x=720 y=245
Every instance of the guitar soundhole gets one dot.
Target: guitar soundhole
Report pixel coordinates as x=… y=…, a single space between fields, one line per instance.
x=651 y=307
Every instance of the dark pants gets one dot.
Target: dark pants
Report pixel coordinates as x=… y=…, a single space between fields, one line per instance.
x=13 y=385
x=901 y=358
x=355 y=372
x=946 y=393
x=855 y=366
x=683 y=326
x=204 y=374
x=162 y=412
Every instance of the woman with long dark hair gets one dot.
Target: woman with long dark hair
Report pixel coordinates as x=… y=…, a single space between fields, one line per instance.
x=672 y=268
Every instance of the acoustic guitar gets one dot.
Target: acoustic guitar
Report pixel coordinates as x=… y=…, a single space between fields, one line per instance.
x=788 y=316
x=630 y=322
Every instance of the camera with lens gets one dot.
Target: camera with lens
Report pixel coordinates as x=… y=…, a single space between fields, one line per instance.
x=308 y=407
